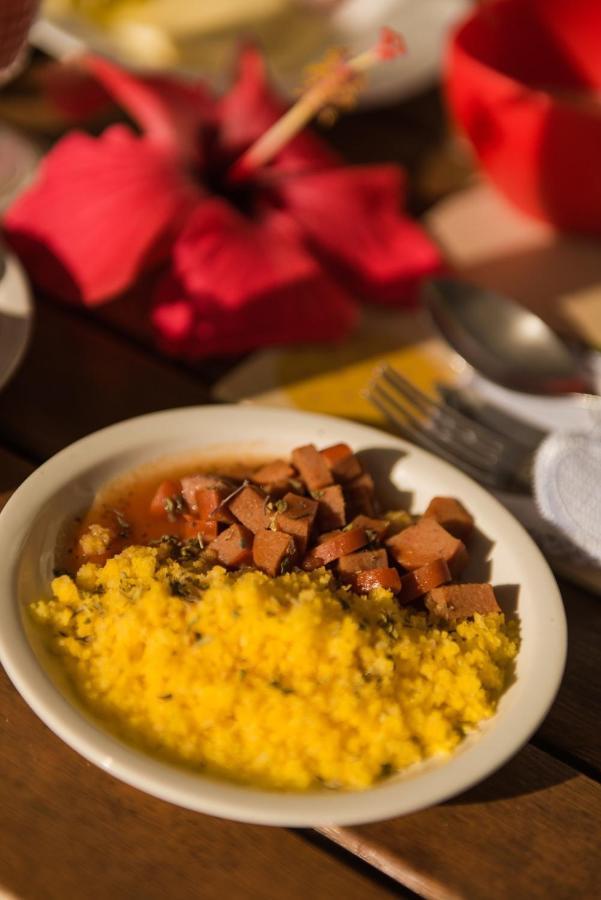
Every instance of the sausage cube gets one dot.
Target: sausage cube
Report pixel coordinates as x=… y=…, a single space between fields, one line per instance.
x=297 y=519
x=274 y=552
x=378 y=526
x=460 y=601
x=234 y=546
x=249 y=507
x=193 y=526
x=426 y=542
x=191 y=484
x=452 y=515
x=387 y=578
x=360 y=562
x=312 y=467
x=418 y=582
x=342 y=462
x=331 y=513
x=209 y=504
x=274 y=476
x=338 y=544
x=360 y=494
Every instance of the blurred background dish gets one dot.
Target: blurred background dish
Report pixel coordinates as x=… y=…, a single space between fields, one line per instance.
x=523 y=82
x=16 y=312
x=200 y=38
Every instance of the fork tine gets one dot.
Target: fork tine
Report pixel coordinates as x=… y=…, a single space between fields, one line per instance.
x=478 y=440
x=439 y=433
x=396 y=414
x=488 y=441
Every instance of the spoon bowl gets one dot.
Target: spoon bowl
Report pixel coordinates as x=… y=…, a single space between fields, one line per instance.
x=501 y=340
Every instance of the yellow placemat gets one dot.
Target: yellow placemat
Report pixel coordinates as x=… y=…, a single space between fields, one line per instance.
x=333 y=379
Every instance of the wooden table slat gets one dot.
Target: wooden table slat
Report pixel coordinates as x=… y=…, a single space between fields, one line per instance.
x=77 y=378
x=531 y=830
x=69 y=830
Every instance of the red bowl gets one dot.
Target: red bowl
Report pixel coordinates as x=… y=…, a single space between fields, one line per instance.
x=523 y=81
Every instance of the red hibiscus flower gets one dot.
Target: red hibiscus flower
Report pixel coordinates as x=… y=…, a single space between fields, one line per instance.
x=258 y=232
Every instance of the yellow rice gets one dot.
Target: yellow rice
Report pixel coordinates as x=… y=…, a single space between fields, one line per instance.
x=284 y=683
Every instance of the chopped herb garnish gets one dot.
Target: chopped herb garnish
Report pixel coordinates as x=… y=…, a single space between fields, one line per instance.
x=281 y=687
x=187 y=590
x=281 y=506
x=317 y=495
x=386 y=770
x=296 y=485
x=231 y=496
x=124 y=526
x=165 y=696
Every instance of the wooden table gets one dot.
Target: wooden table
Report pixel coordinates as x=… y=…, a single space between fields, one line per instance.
x=69 y=830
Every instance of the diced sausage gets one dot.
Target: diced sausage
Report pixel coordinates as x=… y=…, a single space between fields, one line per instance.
x=360 y=494
x=342 y=462
x=418 y=582
x=312 y=467
x=274 y=476
x=234 y=546
x=164 y=498
x=360 y=562
x=273 y=552
x=460 y=601
x=210 y=505
x=452 y=515
x=295 y=517
x=425 y=542
x=249 y=507
x=192 y=527
x=332 y=508
x=387 y=578
x=334 y=547
x=190 y=484
x=378 y=526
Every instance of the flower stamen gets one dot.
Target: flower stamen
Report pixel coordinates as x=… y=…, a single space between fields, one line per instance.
x=332 y=84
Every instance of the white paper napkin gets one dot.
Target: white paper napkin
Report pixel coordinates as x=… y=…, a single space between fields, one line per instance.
x=567 y=488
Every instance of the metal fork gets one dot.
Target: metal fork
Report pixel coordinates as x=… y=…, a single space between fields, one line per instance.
x=493 y=458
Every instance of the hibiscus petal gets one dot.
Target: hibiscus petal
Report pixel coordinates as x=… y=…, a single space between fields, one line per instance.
x=251 y=106
x=352 y=216
x=100 y=211
x=226 y=257
x=170 y=111
x=238 y=285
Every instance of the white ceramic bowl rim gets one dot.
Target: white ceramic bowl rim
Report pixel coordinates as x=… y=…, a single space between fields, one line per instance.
x=542 y=655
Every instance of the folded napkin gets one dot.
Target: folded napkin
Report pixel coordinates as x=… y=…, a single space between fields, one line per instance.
x=567 y=488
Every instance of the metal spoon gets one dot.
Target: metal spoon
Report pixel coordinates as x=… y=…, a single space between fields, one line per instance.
x=505 y=342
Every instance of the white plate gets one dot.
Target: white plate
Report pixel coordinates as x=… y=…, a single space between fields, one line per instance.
x=353 y=24
x=67 y=483
x=16 y=313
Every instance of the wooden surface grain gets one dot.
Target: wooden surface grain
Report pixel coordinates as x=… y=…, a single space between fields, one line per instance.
x=77 y=378
x=69 y=830
x=531 y=830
